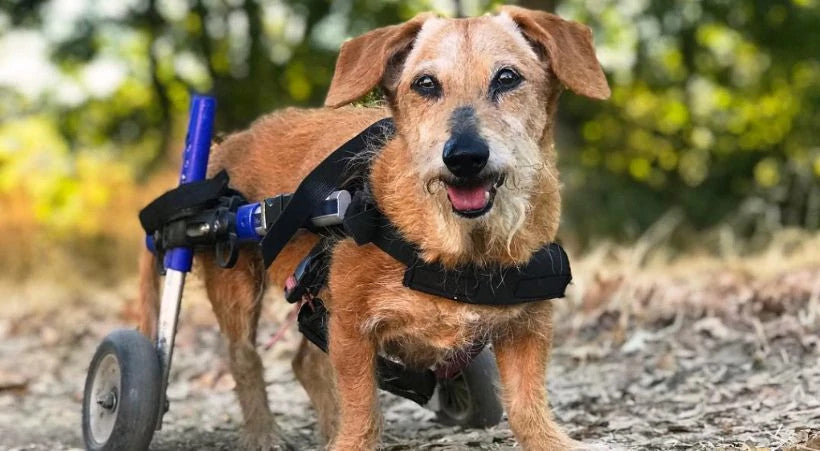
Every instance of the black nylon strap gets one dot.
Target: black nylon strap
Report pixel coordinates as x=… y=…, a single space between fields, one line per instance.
x=366 y=224
x=186 y=198
x=315 y=188
x=545 y=276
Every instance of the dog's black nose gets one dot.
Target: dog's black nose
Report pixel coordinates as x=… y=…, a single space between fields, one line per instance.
x=466 y=154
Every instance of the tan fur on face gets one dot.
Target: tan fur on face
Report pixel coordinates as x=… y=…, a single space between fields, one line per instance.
x=370 y=311
x=464 y=55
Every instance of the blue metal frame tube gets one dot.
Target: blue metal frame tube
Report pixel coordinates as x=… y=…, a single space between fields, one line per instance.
x=194 y=165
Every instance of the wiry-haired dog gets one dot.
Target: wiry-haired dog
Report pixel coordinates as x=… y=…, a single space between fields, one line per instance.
x=470 y=177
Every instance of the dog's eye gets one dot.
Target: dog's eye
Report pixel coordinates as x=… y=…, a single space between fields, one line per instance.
x=504 y=80
x=427 y=86
x=507 y=78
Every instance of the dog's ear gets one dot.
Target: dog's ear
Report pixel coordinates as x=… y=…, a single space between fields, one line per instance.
x=568 y=45
x=363 y=61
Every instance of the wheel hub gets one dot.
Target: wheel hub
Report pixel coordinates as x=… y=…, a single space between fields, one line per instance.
x=106 y=392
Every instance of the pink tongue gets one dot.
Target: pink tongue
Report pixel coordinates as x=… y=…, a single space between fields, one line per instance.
x=467 y=199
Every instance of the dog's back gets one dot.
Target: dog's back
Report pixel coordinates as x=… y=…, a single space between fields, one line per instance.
x=281 y=148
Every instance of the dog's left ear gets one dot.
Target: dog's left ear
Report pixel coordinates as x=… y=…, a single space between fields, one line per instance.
x=569 y=48
x=363 y=61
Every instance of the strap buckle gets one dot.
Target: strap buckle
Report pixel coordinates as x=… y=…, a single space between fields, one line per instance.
x=309 y=276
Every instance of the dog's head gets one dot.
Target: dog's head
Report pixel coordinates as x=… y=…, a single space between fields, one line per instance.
x=474 y=101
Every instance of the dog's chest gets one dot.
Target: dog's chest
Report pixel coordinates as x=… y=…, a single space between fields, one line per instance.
x=423 y=330
x=430 y=332
x=366 y=288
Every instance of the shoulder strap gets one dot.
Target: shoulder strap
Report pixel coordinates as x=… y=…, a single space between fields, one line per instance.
x=315 y=188
x=365 y=223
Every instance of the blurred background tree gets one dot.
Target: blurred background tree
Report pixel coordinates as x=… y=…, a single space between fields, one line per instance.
x=713 y=116
x=714 y=112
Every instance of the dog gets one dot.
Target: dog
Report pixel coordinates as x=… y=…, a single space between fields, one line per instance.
x=470 y=177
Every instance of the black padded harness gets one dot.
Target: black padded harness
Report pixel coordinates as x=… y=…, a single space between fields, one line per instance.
x=545 y=276
x=211 y=205
x=211 y=202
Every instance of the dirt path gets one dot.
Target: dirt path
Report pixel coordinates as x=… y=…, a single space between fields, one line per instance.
x=684 y=381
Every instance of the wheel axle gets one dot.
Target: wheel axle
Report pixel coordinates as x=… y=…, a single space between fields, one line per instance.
x=108 y=402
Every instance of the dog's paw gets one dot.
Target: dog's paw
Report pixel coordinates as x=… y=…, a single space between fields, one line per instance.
x=267 y=441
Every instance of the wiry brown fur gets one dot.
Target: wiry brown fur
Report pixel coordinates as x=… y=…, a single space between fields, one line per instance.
x=370 y=310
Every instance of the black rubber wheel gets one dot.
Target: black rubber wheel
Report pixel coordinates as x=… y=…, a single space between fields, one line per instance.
x=469 y=399
x=122 y=392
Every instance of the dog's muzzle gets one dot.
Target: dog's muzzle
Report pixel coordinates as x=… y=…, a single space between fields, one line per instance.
x=473 y=197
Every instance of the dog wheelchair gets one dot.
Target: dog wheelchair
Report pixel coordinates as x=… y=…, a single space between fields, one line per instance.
x=125 y=391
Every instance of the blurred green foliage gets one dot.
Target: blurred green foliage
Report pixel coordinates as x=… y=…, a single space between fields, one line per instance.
x=714 y=107
x=714 y=112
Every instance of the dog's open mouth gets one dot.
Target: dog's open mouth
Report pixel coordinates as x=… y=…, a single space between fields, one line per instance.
x=473 y=198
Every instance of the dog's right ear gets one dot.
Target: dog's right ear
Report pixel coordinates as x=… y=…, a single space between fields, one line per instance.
x=363 y=61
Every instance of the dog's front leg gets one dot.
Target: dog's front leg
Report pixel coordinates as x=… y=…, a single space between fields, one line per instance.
x=522 y=357
x=353 y=356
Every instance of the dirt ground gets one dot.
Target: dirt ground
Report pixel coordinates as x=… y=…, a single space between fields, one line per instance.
x=706 y=355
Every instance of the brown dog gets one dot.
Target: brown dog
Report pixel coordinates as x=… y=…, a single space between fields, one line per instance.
x=469 y=177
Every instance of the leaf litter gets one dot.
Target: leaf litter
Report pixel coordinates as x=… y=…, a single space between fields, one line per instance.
x=711 y=356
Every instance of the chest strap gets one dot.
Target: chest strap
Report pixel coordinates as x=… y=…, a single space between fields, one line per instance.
x=545 y=276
